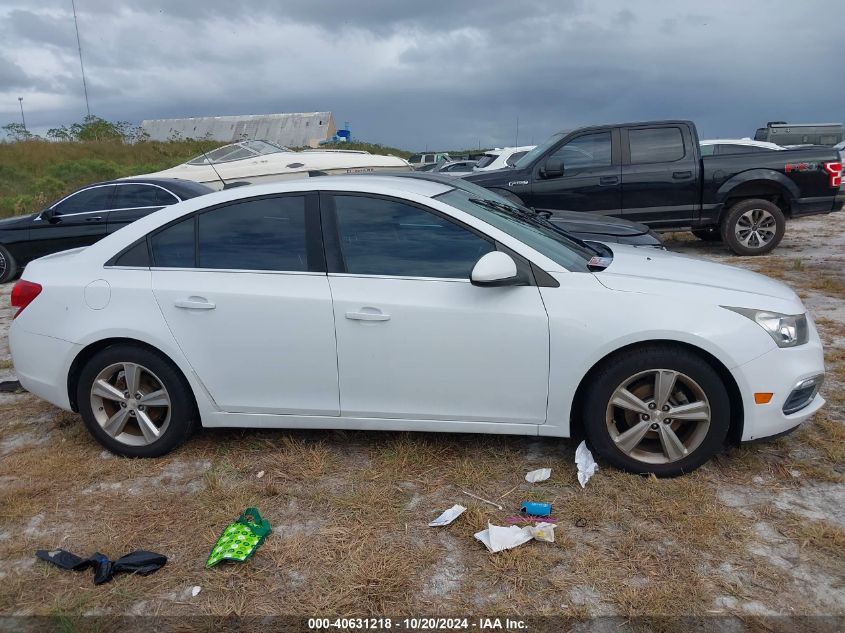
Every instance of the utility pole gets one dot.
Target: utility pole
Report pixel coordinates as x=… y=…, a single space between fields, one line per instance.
x=23 y=120
x=81 y=65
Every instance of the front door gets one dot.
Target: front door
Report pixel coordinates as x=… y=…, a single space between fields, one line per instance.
x=590 y=180
x=415 y=339
x=243 y=289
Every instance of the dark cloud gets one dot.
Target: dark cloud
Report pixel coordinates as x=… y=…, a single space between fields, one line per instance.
x=428 y=72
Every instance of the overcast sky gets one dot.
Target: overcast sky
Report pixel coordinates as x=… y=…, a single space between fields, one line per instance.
x=429 y=73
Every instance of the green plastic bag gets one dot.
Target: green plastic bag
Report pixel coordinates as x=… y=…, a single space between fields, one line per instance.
x=240 y=539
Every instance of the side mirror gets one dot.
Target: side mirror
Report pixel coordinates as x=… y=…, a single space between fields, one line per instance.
x=553 y=168
x=495 y=269
x=48 y=215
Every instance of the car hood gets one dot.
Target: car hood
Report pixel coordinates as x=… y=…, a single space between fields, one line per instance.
x=18 y=220
x=597 y=224
x=684 y=278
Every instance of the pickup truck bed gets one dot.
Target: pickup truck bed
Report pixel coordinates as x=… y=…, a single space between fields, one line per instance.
x=653 y=173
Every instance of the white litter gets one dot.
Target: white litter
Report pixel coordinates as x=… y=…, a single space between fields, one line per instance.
x=492 y=503
x=497 y=538
x=195 y=590
x=448 y=516
x=587 y=466
x=260 y=474
x=540 y=474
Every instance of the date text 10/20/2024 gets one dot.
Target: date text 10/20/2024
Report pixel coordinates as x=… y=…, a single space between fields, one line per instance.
x=417 y=624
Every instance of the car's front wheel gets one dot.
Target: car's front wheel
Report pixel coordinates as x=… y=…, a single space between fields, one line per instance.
x=135 y=402
x=659 y=409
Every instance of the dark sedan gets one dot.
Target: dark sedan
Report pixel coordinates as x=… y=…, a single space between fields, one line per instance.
x=85 y=216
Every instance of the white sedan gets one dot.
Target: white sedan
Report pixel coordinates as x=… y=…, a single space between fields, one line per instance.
x=396 y=303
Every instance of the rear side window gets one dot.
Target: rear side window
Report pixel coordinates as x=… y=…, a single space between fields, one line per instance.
x=263 y=234
x=134 y=196
x=173 y=247
x=388 y=237
x=656 y=145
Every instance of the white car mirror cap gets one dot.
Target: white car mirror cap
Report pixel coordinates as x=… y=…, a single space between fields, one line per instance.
x=494 y=269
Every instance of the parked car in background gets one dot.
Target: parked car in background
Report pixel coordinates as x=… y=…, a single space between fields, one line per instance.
x=500 y=158
x=349 y=302
x=735 y=146
x=454 y=167
x=254 y=162
x=85 y=216
x=428 y=159
x=653 y=172
x=784 y=133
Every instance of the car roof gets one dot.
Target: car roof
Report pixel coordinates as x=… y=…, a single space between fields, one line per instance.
x=175 y=184
x=386 y=182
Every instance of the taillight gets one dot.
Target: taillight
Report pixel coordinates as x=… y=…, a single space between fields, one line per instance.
x=23 y=294
x=835 y=171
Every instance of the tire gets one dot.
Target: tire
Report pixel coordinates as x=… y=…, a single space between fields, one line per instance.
x=711 y=234
x=121 y=429
x=8 y=266
x=753 y=227
x=648 y=448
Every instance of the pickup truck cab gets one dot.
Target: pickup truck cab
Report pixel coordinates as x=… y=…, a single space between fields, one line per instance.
x=653 y=172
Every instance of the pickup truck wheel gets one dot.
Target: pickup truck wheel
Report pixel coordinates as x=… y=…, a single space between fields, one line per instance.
x=710 y=234
x=753 y=227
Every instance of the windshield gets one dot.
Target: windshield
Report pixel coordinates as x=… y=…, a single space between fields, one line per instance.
x=237 y=151
x=520 y=223
x=541 y=149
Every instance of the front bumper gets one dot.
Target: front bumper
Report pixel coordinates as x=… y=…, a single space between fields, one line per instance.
x=778 y=372
x=42 y=364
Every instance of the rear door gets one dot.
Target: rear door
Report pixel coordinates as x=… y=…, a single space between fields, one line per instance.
x=591 y=176
x=660 y=175
x=78 y=220
x=133 y=201
x=244 y=290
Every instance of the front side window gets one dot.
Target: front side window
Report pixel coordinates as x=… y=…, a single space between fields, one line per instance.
x=589 y=151
x=93 y=199
x=656 y=145
x=261 y=234
x=389 y=237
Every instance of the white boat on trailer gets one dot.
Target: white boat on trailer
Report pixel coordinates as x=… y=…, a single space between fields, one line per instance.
x=254 y=162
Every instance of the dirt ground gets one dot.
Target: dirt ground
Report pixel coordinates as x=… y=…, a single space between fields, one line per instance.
x=758 y=531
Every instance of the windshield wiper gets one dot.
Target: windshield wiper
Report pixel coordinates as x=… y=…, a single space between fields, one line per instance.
x=533 y=216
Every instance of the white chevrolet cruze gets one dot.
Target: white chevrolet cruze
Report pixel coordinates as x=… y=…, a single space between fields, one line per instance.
x=402 y=303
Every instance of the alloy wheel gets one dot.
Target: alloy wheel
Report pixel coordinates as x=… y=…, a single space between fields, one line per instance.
x=130 y=403
x=658 y=416
x=755 y=228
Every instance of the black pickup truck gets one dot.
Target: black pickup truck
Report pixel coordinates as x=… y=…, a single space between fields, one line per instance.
x=653 y=172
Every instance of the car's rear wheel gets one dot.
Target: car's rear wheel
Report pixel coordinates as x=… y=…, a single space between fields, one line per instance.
x=660 y=409
x=710 y=234
x=753 y=227
x=8 y=266
x=135 y=402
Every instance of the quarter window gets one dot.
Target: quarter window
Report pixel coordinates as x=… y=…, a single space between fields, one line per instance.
x=656 y=145
x=262 y=234
x=589 y=151
x=388 y=237
x=93 y=199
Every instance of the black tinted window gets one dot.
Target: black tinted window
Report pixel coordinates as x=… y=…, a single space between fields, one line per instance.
x=386 y=237
x=174 y=246
x=135 y=256
x=131 y=196
x=267 y=234
x=585 y=152
x=93 y=199
x=656 y=145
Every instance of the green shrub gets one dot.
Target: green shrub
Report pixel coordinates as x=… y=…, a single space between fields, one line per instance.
x=83 y=171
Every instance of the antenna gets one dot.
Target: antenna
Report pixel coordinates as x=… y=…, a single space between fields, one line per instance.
x=216 y=173
x=516 y=139
x=81 y=65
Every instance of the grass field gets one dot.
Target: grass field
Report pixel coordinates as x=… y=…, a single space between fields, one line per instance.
x=758 y=531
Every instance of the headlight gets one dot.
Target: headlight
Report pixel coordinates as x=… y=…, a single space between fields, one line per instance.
x=787 y=330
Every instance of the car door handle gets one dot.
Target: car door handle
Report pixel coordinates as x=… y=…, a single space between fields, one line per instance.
x=195 y=303
x=609 y=180
x=368 y=316
x=94 y=219
x=681 y=175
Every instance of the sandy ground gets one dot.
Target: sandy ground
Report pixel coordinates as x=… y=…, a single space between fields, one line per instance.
x=759 y=531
